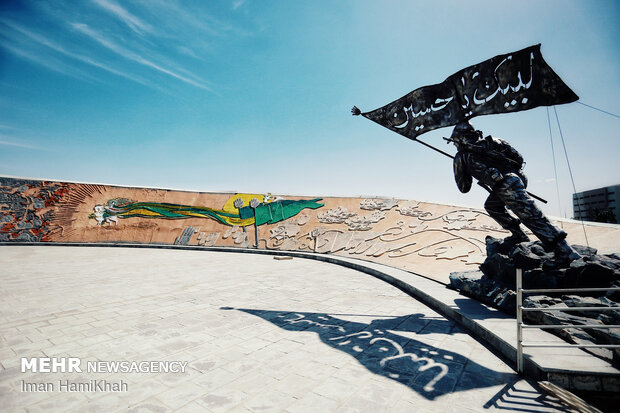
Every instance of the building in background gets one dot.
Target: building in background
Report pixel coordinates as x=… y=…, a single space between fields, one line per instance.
x=598 y=205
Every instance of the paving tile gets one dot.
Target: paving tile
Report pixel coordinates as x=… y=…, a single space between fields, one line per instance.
x=269 y=402
x=60 y=402
x=151 y=405
x=223 y=399
x=296 y=385
x=253 y=382
x=228 y=320
x=192 y=407
x=181 y=395
x=312 y=402
x=336 y=389
x=215 y=379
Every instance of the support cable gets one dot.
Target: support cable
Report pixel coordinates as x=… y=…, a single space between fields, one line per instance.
x=555 y=169
x=570 y=170
x=600 y=110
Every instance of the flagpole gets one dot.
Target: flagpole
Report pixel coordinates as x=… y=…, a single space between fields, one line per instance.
x=481 y=184
x=355 y=111
x=433 y=148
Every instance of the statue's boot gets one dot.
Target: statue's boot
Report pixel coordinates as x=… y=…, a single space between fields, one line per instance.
x=517 y=236
x=564 y=254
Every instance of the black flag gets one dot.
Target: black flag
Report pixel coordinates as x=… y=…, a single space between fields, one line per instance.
x=506 y=83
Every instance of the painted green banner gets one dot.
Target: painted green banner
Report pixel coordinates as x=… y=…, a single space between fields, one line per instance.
x=281 y=210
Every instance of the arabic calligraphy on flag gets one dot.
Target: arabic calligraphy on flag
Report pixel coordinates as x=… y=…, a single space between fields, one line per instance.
x=505 y=83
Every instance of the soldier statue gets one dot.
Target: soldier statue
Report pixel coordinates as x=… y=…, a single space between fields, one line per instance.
x=498 y=166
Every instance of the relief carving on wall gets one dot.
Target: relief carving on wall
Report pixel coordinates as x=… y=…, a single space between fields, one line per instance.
x=386 y=229
x=403 y=239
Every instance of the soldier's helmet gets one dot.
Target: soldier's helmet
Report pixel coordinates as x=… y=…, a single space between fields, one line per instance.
x=463 y=132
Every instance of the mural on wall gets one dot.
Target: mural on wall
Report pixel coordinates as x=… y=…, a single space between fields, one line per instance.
x=430 y=239
x=27 y=209
x=371 y=228
x=241 y=210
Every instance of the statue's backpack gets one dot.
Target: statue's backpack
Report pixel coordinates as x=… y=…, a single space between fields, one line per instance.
x=501 y=150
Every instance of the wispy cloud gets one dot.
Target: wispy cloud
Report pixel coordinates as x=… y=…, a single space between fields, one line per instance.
x=133 y=22
x=130 y=55
x=48 y=62
x=17 y=144
x=9 y=127
x=237 y=4
x=181 y=19
x=139 y=41
x=58 y=48
x=187 y=51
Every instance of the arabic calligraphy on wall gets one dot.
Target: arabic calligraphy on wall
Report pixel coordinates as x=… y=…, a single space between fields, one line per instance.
x=398 y=240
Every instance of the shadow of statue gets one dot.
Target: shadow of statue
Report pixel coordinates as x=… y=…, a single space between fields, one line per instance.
x=428 y=370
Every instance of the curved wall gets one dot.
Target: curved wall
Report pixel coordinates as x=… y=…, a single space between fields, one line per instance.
x=429 y=239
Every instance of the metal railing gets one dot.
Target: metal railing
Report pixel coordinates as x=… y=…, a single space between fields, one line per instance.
x=521 y=325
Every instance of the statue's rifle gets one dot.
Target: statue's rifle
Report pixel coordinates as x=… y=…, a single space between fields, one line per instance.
x=479 y=183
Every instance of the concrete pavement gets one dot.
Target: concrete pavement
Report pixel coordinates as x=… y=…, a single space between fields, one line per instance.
x=257 y=335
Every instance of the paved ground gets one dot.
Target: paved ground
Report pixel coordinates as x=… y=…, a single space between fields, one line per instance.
x=258 y=335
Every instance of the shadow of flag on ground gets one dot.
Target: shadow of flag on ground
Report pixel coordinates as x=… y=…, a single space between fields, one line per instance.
x=428 y=370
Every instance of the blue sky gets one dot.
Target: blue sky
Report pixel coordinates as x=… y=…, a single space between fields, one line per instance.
x=255 y=96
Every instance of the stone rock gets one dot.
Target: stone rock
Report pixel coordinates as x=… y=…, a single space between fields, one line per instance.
x=578 y=264
x=540 y=301
x=551 y=317
x=583 y=250
x=607 y=319
x=494 y=284
x=538 y=278
x=614 y=295
x=524 y=257
x=506 y=299
x=610 y=335
x=538 y=249
x=493 y=245
x=595 y=274
x=477 y=285
x=499 y=266
x=608 y=260
x=578 y=336
x=608 y=302
x=465 y=279
x=578 y=301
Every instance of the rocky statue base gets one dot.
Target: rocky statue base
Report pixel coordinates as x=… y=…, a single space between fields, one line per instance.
x=494 y=284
